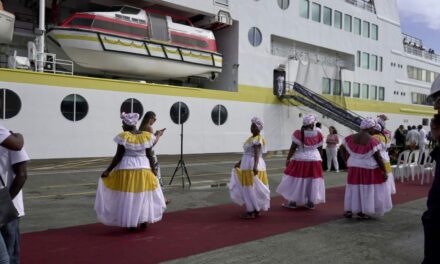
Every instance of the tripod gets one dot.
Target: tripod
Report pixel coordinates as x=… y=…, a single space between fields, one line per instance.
x=181 y=163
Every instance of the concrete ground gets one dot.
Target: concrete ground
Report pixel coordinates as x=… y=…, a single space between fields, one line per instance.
x=60 y=193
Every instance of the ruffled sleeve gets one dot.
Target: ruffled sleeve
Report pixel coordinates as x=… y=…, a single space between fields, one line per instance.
x=364 y=150
x=314 y=140
x=139 y=141
x=260 y=141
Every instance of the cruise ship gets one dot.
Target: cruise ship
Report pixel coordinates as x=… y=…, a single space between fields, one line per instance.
x=64 y=82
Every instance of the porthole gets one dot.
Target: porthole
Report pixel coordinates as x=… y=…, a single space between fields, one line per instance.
x=255 y=37
x=219 y=115
x=283 y=4
x=10 y=104
x=74 y=107
x=132 y=105
x=179 y=113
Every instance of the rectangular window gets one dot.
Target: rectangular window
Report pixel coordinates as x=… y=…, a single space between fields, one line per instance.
x=365 y=91
x=423 y=75
x=432 y=77
x=382 y=93
x=419 y=74
x=347 y=89
x=366 y=29
x=337 y=87
x=357 y=26
x=374 y=62
x=373 y=92
x=356 y=90
x=410 y=71
x=374 y=31
x=304 y=8
x=326 y=86
x=365 y=60
x=327 y=16
x=347 y=23
x=316 y=12
x=358 y=59
x=380 y=64
x=338 y=19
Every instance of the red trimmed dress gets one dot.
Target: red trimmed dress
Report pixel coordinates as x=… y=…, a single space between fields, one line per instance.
x=366 y=190
x=302 y=181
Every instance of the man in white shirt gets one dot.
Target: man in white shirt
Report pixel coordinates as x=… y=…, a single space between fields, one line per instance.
x=14 y=174
x=412 y=138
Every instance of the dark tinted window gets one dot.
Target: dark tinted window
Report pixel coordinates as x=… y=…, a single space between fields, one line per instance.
x=189 y=41
x=132 y=106
x=10 y=104
x=100 y=24
x=219 y=115
x=130 y=10
x=179 y=112
x=79 y=21
x=74 y=107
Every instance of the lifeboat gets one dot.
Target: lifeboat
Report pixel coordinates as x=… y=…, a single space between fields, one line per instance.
x=131 y=42
x=7 y=21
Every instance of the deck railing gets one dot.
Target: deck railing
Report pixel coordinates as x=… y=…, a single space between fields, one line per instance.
x=422 y=53
x=364 y=4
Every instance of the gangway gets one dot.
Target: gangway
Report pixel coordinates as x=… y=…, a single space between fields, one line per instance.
x=322 y=105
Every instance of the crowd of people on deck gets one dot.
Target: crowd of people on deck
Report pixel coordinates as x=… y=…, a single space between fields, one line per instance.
x=129 y=192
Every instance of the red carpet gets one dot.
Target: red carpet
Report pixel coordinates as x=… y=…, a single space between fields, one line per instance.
x=184 y=233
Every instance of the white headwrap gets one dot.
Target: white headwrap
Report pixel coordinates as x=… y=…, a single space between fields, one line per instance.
x=130 y=119
x=378 y=127
x=309 y=120
x=257 y=121
x=368 y=123
x=381 y=120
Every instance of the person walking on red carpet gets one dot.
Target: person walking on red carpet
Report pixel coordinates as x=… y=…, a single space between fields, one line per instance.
x=366 y=192
x=303 y=183
x=249 y=185
x=129 y=194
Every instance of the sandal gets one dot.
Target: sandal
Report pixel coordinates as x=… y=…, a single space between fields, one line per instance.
x=348 y=214
x=257 y=213
x=248 y=216
x=289 y=205
x=362 y=216
x=144 y=225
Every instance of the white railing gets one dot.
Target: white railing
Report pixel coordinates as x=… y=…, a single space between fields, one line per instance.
x=422 y=53
x=50 y=64
x=364 y=4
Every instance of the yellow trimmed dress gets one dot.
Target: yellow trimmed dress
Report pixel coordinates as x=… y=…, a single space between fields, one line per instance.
x=131 y=194
x=385 y=145
x=246 y=188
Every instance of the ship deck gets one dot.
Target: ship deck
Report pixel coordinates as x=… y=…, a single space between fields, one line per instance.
x=202 y=226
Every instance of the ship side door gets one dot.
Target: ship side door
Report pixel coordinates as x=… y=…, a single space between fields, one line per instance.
x=158 y=27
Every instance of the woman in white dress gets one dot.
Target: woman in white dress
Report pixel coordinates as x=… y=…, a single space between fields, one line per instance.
x=249 y=185
x=129 y=194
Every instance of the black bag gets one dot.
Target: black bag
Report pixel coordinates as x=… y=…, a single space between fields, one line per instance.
x=7 y=208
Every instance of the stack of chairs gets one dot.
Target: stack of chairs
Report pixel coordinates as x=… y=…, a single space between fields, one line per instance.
x=414 y=164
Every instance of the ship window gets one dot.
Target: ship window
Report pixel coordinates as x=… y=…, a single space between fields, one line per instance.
x=336 y=87
x=304 y=8
x=316 y=12
x=254 y=36
x=347 y=88
x=357 y=26
x=219 y=115
x=358 y=59
x=374 y=32
x=356 y=90
x=10 y=104
x=366 y=29
x=365 y=60
x=326 y=85
x=101 y=24
x=347 y=23
x=327 y=16
x=189 y=41
x=365 y=91
x=338 y=19
x=130 y=10
x=80 y=21
x=179 y=113
x=74 y=107
x=374 y=62
x=283 y=4
x=382 y=93
x=380 y=64
x=132 y=105
x=373 y=92
x=418 y=98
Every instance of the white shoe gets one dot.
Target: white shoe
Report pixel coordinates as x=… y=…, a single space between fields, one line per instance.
x=337 y=171
x=327 y=170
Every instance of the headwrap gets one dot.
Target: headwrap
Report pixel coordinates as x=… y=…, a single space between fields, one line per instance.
x=130 y=119
x=381 y=120
x=309 y=120
x=257 y=121
x=368 y=123
x=378 y=127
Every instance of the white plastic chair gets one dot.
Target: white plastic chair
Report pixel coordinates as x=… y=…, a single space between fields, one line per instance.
x=428 y=167
x=413 y=164
x=399 y=170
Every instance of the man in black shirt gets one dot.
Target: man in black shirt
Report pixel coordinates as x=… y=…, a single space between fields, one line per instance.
x=399 y=135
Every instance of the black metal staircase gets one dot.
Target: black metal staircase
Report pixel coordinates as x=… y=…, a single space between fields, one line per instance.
x=318 y=103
